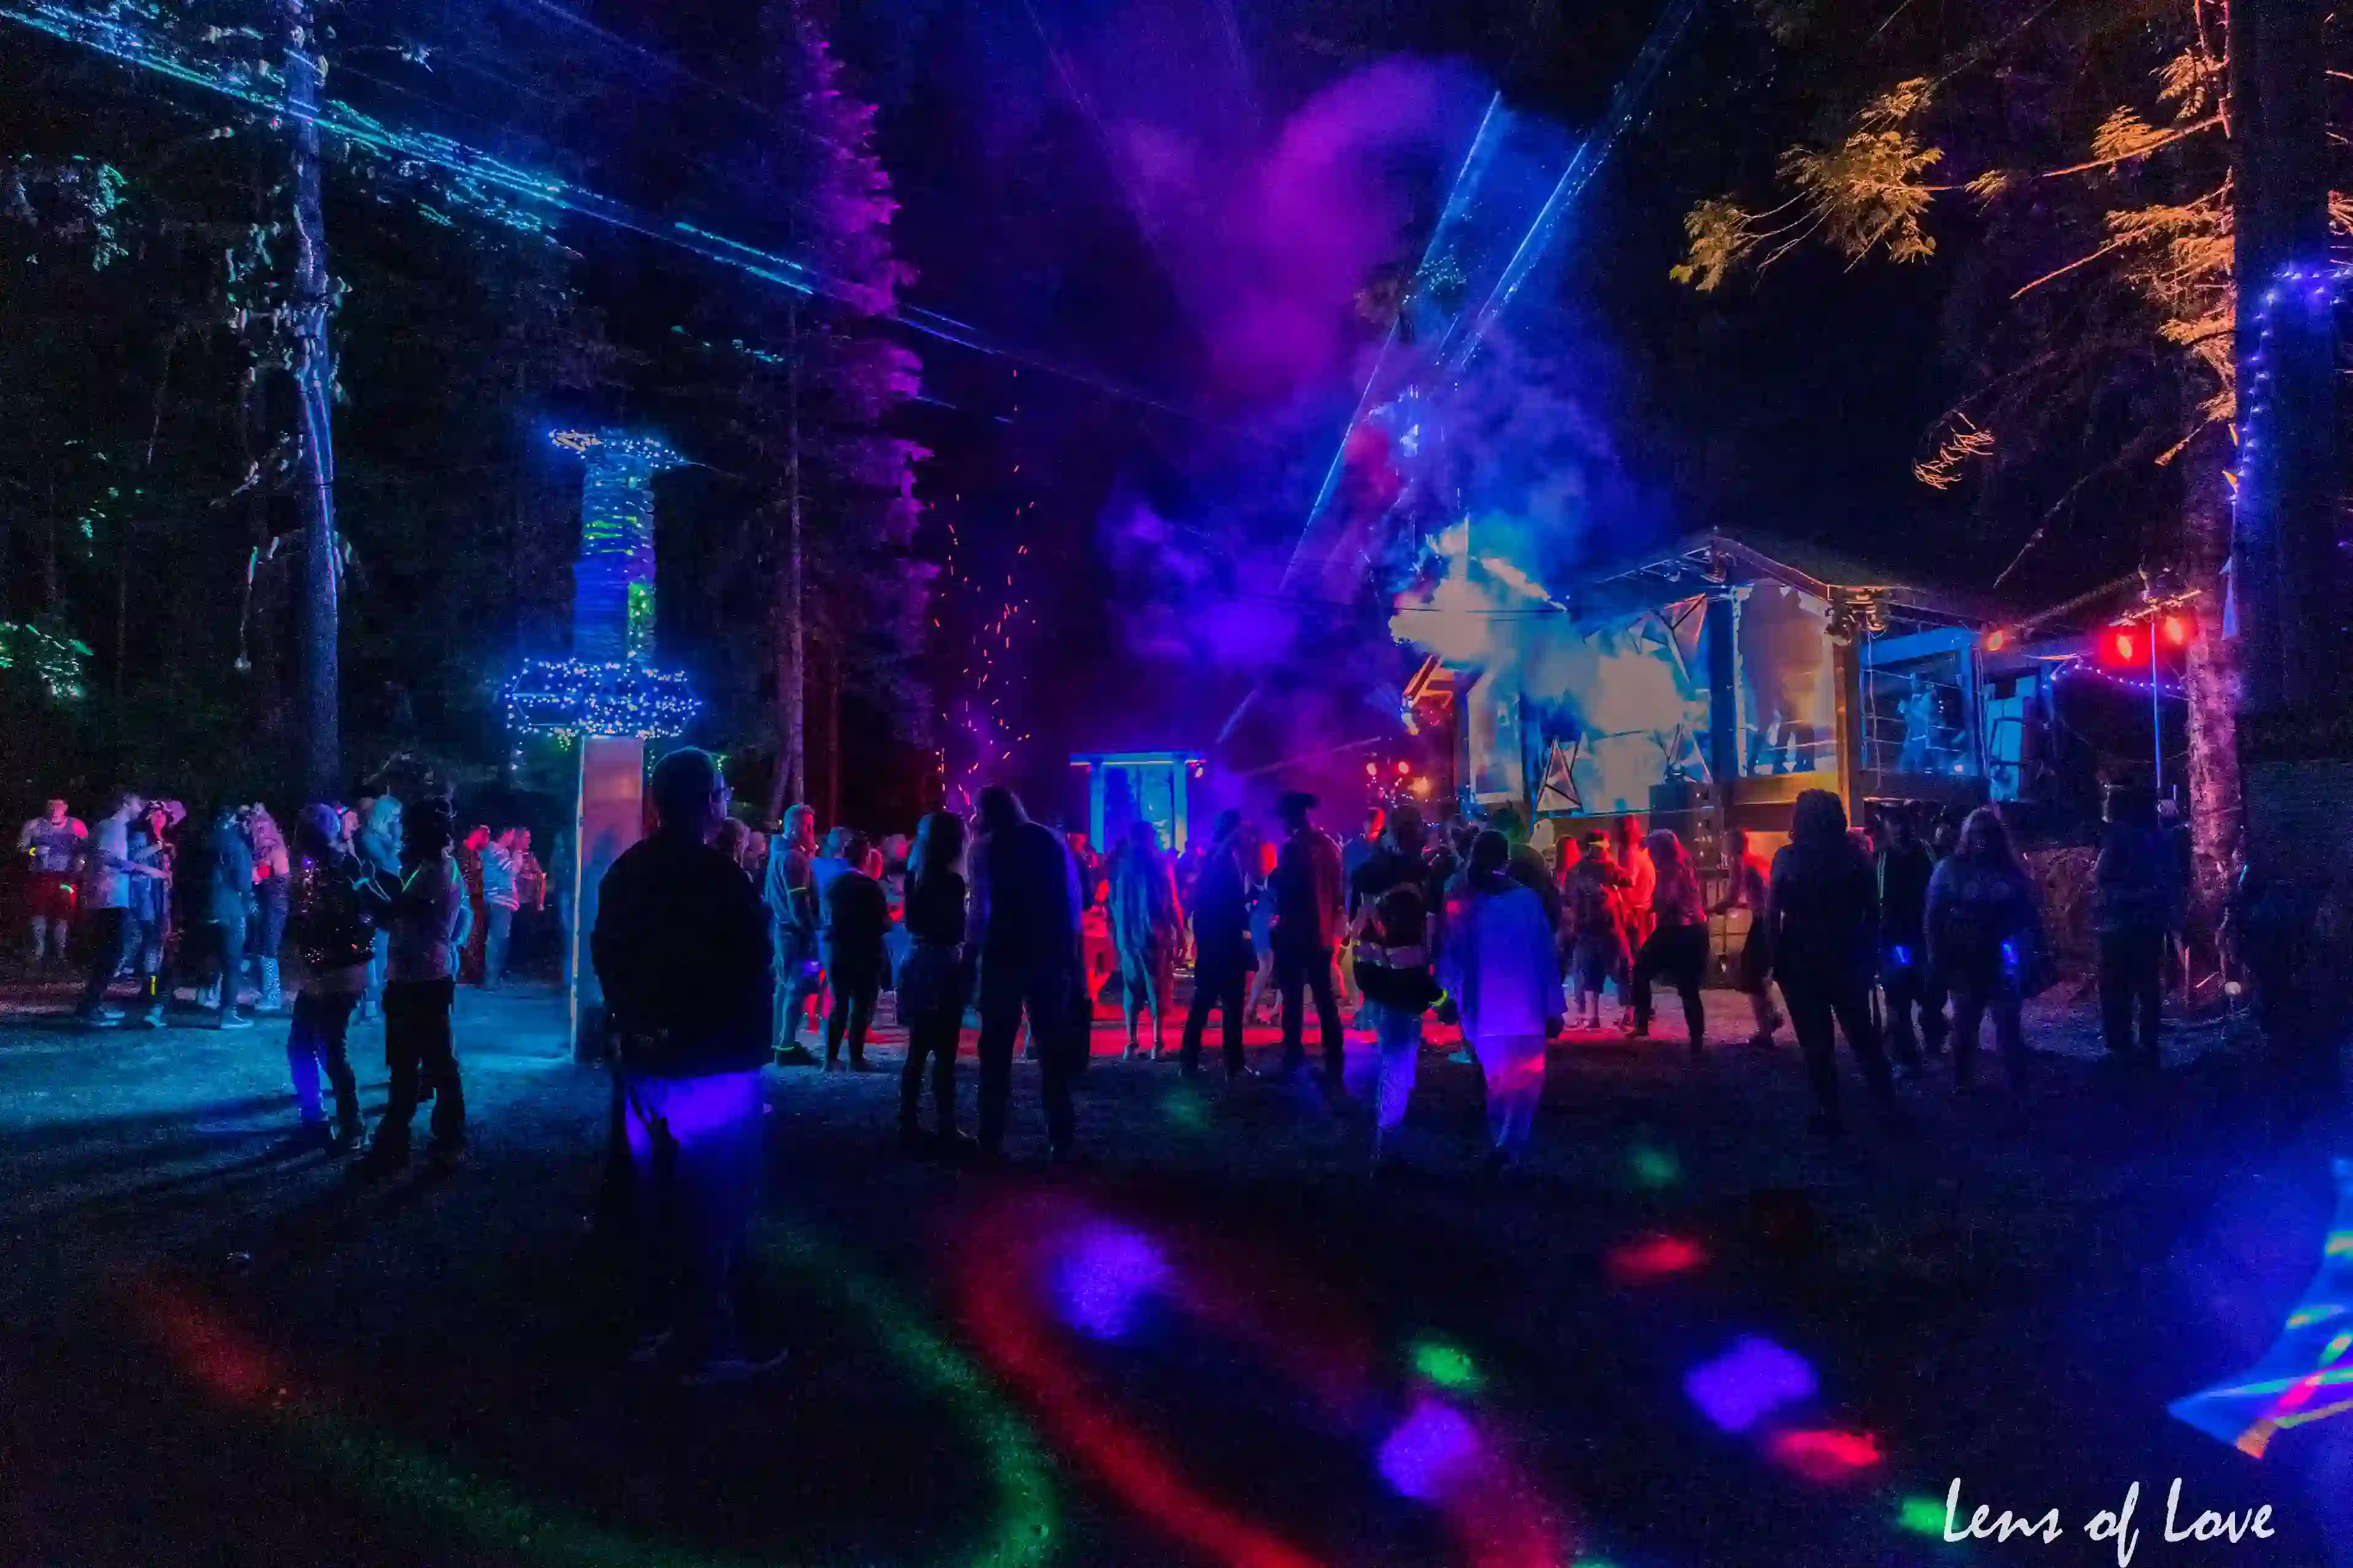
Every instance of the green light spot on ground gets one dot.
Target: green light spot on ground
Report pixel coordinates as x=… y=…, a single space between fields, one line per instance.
x=1187 y=1109
x=1447 y=1365
x=1921 y=1516
x=1654 y=1167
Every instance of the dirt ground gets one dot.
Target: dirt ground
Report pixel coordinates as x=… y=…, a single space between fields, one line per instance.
x=1686 y=1333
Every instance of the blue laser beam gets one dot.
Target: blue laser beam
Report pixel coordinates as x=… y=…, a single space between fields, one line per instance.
x=1625 y=103
x=505 y=193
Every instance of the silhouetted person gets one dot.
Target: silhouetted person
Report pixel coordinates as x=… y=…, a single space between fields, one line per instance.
x=682 y=950
x=1147 y=926
x=1308 y=912
x=1393 y=943
x=228 y=877
x=857 y=957
x=1223 y=956
x=107 y=925
x=1903 y=870
x=421 y=937
x=1822 y=915
x=792 y=921
x=1755 y=971
x=334 y=906
x=1984 y=925
x=1676 y=946
x=1500 y=963
x=2137 y=895
x=1022 y=926
x=933 y=980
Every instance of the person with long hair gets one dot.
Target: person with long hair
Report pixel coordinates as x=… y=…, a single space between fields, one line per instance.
x=1676 y=946
x=1500 y=963
x=857 y=956
x=1146 y=926
x=1985 y=925
x=932 y=980
x=336 y=905
x=377 y=843
x=1223 y=957
x=1822 y=925
x=1591 y=898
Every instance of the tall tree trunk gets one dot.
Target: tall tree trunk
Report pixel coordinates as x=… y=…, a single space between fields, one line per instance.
x=832 y=732
x=2211 y=680
x=791 y=782
x=310 y=296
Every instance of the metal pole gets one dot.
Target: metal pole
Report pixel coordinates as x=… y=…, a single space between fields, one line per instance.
x=2156 y=713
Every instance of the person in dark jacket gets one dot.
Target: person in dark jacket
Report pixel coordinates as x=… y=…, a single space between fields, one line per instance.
x=1021 y=927
x=1823 y=922
x=1147 y=927
x=857 y=954
x=2136 y=906
x=419 y=942
x=932 y=986
x=1223 y=956
x=1902 y=868
x=1395 y=954
x=151 y=908
x=682 y=950
x=228 y=880
x=1984 y=925
x=335 y=904
x=1309 y=912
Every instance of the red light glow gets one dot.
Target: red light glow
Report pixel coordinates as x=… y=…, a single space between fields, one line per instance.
x=1652 y=1259
x=2123 y=646
x=1995 y=640
x=1826 y=1456
x=2176 y=628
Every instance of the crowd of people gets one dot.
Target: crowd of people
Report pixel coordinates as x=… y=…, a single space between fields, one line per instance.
x=718 y=947
x=386 y=910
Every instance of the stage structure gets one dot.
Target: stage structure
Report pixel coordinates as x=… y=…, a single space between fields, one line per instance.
x=1125 y=787
x=609 y=698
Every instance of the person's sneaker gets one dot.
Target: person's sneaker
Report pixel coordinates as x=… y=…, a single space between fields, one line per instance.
x=98 y=1017
x=796 y=1056
x=154 y=1017
x=234 y=1021
x=1762 y=1040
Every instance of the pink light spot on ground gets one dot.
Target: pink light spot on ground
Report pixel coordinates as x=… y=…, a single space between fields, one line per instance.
x=1653 y=1257
x=1827 y=1455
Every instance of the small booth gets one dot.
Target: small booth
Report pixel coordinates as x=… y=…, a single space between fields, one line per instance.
x=609 y=698
x=1124 y=787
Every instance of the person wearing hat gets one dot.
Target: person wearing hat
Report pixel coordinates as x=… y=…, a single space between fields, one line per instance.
x=1310 y=893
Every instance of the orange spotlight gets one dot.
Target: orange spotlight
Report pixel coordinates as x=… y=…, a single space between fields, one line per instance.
x=2175 y=627
x=1995 y=640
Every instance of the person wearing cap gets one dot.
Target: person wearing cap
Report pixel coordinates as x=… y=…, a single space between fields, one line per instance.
x=681 y=948
x=1309 y=897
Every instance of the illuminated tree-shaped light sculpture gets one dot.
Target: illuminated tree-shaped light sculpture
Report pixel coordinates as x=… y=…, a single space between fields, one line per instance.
x=609 y=696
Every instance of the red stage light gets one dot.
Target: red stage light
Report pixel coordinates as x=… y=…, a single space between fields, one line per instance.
x=1995 y=640
x=1404 y=768
x=2123 y=646
x=2176 y=628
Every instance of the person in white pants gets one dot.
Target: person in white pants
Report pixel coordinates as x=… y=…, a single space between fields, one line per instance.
x=1501 y=967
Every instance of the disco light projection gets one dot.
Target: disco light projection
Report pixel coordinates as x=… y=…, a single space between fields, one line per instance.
x=1827 y=1457
x=1652 y=1259
x=1106 y=1278
x=2307 y=1375
x=1448 y=1366
x=1429 y=1452
x=310 y=1422
x=1921 y=1516
x=1038 y=1263
x=1654 y=1167
x=1749 y=1381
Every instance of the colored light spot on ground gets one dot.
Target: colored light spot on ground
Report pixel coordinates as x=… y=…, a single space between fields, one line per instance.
x=1186 y=1110
x=1592 y=1563
x=2336 y=1347
x=2304 y=1317
x=1447 y=1365
x=1105 y=1277
x=1749 y=1382
x=1654 y=1167
x=1921 y=1516
x=1826 y=1456
x=1429 y=1452
x=2340 y=1245
x=1654 y=1258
